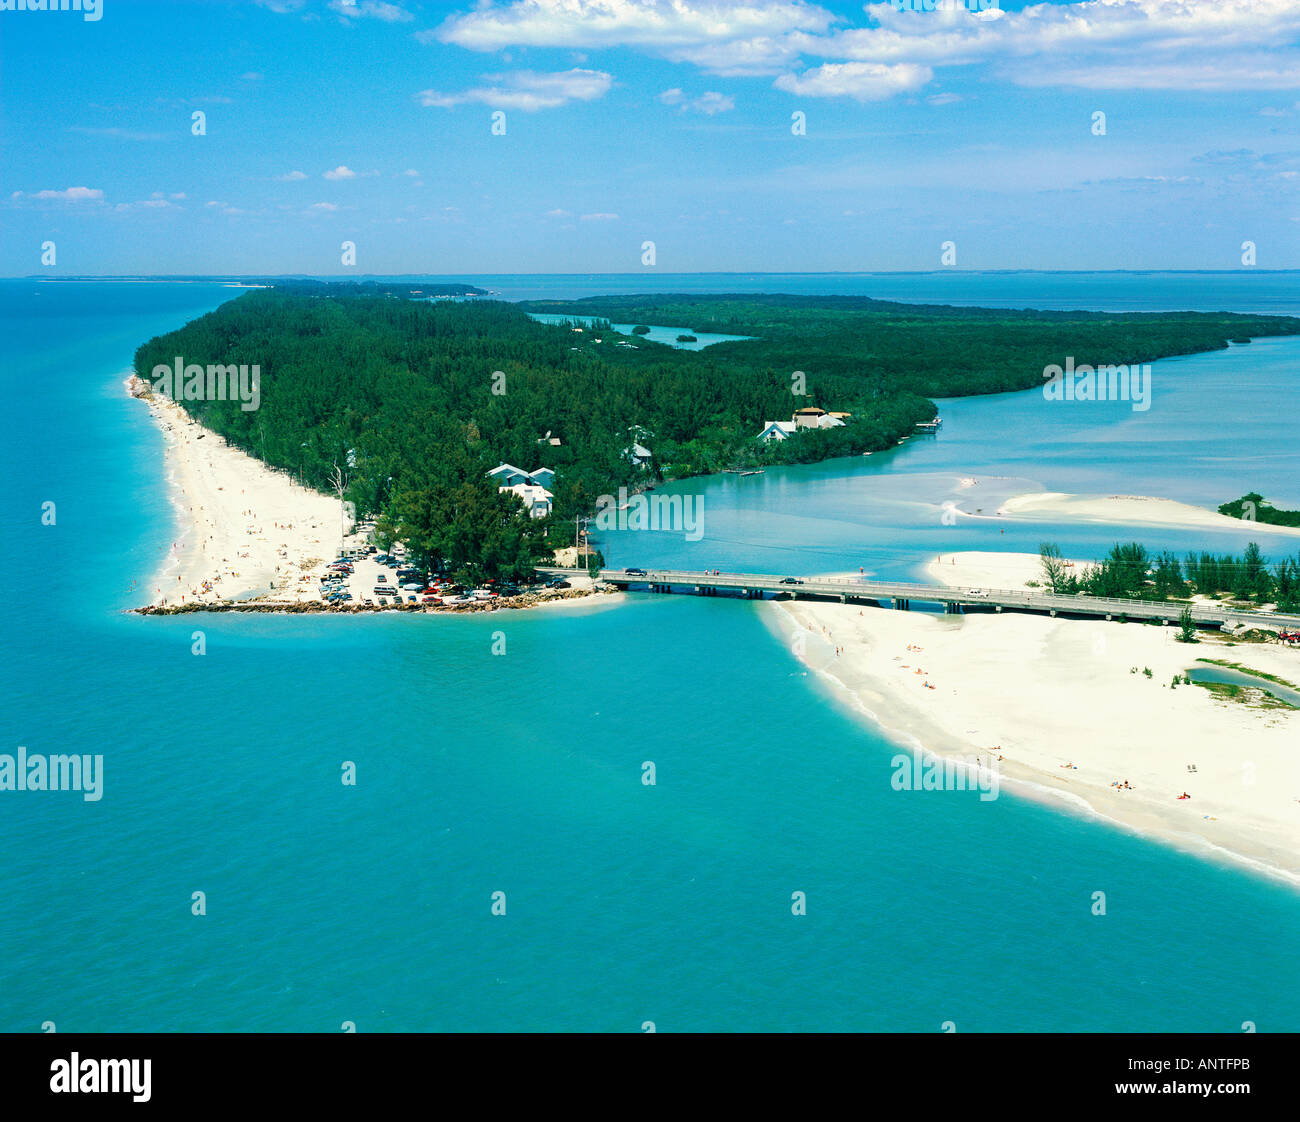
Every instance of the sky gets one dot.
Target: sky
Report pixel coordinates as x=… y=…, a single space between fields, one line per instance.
x=561 y=136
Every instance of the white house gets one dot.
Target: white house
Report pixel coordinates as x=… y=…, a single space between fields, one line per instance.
x=810 y=417
x=536 y=499
x=638 y=454
x=777 y=430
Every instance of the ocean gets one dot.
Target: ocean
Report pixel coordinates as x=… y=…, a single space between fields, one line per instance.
x=521 y=773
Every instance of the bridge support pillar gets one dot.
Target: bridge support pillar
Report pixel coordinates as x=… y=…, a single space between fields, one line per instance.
x=1052 y=613
x=997 y=607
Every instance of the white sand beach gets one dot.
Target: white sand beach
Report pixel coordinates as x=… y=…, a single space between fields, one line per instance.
x=984 y=569
x=1066 y=707
x=243 y=529
x=1132 y=509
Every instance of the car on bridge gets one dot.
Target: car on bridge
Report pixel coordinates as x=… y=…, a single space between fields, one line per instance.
x=976 y=592
x=791 y=580
x=635 y=572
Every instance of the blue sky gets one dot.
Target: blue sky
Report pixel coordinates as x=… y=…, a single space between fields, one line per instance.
x=647 y=120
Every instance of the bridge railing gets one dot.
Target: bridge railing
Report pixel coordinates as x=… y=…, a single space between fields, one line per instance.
x=947 y=595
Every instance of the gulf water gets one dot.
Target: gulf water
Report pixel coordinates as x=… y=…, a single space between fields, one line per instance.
x=522 y=773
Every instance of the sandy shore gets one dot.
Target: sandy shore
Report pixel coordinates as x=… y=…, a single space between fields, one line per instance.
x=243 y=530
x=1001 y=571
x=1059 y=702
x=1136 y=509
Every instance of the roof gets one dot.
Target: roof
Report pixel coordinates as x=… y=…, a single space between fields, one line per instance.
x=809 y=409
x=638 y=451
x=784 y=426
x=507 y=469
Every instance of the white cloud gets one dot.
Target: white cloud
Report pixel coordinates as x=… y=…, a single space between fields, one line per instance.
x=1094 y=44
x=68 y=194
x=323 y=207
x=598 y=217
x=724 y=37
x=341 y=172
x=862 y=81
x=412 y=173
x=291 y=177
x=527 y=90
x=370 y=9
x=707 y=103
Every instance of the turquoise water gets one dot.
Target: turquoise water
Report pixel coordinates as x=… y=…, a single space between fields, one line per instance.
x=518 y=773
x=656 y=334
x=1236 y=678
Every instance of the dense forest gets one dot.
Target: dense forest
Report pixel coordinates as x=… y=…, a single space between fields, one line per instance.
x=405 y=403
x=931 y=350
x=1130 y=571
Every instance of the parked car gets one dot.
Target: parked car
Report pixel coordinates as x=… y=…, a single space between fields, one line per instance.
x=413 y=586
x=558 y=582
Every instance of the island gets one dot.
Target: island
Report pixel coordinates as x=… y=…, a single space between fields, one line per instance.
x=477 y=438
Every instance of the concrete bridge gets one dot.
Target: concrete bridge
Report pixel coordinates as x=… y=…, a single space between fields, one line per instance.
x=955 y=601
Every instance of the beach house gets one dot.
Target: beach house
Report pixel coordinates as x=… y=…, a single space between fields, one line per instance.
x=537 y=500
x=638 y=454
x=809 y=417
x=777 y=430
x=531 y=486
